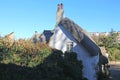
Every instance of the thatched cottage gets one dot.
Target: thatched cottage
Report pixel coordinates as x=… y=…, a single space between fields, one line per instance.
x=68 y=36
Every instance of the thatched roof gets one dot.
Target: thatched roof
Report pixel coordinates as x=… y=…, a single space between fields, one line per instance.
x=81 y=36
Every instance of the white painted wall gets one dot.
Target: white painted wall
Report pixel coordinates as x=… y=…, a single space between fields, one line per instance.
x=61 y=37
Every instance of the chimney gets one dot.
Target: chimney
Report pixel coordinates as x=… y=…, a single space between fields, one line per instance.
x=58 y=7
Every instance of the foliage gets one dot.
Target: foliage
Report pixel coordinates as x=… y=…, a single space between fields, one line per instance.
x=24 y=60
x=23 y=52
x=114 y=54
x=56 y=67
x=110 y=44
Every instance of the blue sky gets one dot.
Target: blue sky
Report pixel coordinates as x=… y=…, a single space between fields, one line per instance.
x=23 y=17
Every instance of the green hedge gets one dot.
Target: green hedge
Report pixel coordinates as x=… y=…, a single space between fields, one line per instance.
x=24 y=60
x=23 y=52
x=54 y=67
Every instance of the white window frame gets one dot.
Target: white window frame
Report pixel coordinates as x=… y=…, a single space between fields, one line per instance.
x=69 y=46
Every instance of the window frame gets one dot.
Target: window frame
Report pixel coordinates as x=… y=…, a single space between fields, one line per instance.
x=69 y=47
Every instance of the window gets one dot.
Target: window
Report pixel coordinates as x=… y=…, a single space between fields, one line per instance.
x=69 y=46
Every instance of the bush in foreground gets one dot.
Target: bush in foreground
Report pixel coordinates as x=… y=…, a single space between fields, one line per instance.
x=24 y=60
x=54 y=67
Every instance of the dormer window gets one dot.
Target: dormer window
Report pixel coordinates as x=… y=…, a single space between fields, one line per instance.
x=69 y=46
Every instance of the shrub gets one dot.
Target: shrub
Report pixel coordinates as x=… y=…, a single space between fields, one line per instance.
x=56 y=67
x=23 y=52
x=24 y=60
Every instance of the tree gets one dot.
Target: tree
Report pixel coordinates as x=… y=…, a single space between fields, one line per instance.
x=110 y=43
